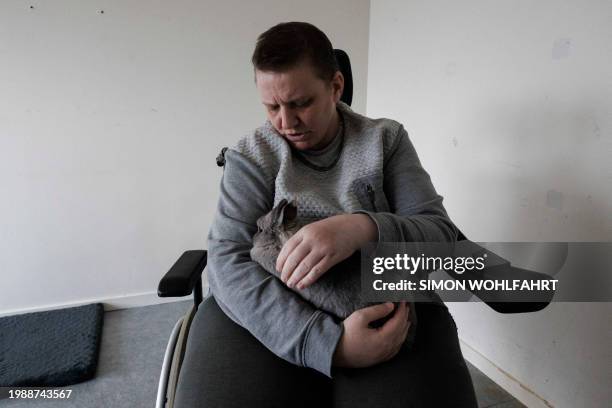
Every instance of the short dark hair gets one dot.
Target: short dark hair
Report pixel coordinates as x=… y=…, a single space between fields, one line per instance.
x=287 y=44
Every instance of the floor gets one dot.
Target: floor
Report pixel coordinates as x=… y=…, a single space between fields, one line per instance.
x=133 y=343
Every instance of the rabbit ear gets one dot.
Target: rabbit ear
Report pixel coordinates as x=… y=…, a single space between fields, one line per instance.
x=262 y=222
x=276 y=215
x=288 y=213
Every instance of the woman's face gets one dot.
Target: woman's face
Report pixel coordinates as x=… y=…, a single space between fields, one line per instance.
x=300 y=105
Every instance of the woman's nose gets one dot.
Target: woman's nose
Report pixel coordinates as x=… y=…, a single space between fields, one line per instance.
x=288 y=118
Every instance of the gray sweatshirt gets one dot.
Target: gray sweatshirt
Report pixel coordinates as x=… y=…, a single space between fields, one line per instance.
x=377 y=172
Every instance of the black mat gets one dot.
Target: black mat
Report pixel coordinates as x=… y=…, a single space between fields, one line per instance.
x=52 y=348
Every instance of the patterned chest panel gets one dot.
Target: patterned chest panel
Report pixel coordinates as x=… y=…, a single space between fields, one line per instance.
x=320 y=194
x=354 y=183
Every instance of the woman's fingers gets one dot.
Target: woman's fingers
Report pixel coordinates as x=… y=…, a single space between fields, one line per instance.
x=303 y=269
x=396 y=330
x=372 y=313
x=323 y=264
x=397 y=322
x=286 y=250
x=293 y=260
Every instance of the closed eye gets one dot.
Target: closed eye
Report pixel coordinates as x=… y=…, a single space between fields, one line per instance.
x=303 y=103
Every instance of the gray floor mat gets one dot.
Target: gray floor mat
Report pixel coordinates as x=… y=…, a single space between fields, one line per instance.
x=51 y=348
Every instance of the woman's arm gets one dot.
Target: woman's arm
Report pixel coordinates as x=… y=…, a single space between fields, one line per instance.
x=287 y=325
x=416 y=210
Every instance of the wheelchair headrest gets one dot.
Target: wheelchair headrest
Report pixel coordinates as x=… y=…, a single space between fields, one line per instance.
x=345 y=67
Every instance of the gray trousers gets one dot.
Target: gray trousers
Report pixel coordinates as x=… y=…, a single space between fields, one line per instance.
x=225 y=366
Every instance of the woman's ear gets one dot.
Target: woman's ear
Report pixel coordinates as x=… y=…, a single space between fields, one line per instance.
x=337 y=84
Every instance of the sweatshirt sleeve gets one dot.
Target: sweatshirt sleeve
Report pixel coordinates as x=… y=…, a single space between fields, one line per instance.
x=417 y=213
x=279 y=318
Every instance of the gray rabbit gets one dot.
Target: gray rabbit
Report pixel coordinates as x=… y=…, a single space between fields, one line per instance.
x=338 y=291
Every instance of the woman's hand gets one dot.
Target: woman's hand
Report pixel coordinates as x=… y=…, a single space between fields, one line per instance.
x=318 y=246
x=362 y=346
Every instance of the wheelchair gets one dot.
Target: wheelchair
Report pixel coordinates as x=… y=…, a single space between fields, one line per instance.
x=185 y=278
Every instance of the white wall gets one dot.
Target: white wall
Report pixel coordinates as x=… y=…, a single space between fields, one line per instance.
x=509 y=105
x=111 y=116
x=110 y=124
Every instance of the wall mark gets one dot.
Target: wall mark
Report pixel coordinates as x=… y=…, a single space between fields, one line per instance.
x=561 y=48
x=554 y=199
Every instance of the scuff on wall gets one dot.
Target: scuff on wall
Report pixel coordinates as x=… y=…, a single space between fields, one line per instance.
x=561 y=48
x=554 y=199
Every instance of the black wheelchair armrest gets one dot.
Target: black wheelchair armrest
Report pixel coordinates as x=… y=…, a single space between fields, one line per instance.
x=508 y=272
x=539 y=299
x=185 y=276
x=517 y=307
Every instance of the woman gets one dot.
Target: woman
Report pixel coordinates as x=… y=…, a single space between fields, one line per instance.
x=255 y=342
